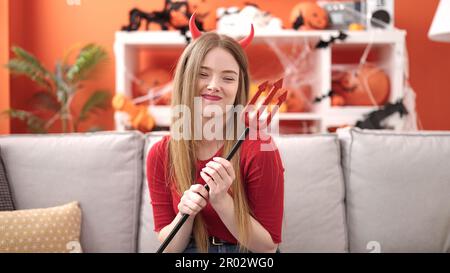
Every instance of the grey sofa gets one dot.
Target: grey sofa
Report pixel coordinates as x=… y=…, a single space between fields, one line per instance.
x=354 y=191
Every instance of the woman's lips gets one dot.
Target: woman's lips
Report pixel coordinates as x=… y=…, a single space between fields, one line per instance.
x=211 y=97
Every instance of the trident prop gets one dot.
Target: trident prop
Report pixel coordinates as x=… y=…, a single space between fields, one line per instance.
x=248 y=122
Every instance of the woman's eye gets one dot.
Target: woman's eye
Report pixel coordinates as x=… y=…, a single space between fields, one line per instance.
x=203 y=75
x=229 y=79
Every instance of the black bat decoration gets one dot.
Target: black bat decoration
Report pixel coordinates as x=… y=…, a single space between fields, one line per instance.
x=163 y=18
x=319 y=99
x=373 y=120
x=324 y=44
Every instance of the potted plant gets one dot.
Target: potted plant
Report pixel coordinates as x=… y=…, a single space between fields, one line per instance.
x=59 y=88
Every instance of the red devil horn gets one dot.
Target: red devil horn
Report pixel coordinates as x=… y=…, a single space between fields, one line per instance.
x=193 y=27
x=247 y=40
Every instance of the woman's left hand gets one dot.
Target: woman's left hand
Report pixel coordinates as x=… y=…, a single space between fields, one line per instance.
x=219 y=175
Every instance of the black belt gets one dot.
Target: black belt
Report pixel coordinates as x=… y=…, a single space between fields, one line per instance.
x=218 y=242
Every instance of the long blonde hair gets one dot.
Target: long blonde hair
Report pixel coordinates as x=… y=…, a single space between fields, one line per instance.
x=182 y=152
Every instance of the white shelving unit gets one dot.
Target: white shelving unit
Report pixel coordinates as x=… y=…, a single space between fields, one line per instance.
x=391 y=44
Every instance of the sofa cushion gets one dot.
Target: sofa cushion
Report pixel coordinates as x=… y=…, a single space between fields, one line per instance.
x=45 y=230
x=103 y=171
x=314 y=219
x=6 y=201
x=397 y=190
x=314 y=213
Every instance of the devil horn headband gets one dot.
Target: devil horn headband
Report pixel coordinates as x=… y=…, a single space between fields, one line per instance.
x=196 y=32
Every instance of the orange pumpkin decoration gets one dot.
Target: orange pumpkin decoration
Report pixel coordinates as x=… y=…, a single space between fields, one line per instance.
x=309 y=16
x=139 y=117
x=360 y=86
x=297 y=99
x=151 y=78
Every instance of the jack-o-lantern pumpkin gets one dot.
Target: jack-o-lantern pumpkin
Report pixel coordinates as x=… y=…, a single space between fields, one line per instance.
x=155 y=81
x=309 y=16
x=366 y=86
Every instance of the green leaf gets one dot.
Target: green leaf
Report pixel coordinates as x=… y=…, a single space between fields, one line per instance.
x=27 y=64
x=21 y=67
x=34 y=123
x=22 y=54
x=46 y=100
x=90 y=56
x=98 y=100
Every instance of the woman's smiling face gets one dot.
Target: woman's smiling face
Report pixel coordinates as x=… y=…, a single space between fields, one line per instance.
x=219 y=79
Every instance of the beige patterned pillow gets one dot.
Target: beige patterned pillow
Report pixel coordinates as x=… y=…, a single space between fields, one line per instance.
x=54 y=229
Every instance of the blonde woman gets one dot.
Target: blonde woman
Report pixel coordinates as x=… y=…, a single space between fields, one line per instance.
x=243 y=210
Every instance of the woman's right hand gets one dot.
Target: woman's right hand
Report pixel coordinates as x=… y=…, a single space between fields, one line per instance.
x=192 y=201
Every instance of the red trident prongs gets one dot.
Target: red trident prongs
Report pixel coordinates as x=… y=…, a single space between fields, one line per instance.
x=251 y=104
x=281 y=99
x=266 y=105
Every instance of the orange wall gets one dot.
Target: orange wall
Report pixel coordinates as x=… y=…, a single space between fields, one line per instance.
x=429 y=63
x=49 y=27
x=4 y=75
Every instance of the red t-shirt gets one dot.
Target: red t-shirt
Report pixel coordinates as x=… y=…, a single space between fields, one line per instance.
x=263 y=178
